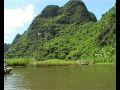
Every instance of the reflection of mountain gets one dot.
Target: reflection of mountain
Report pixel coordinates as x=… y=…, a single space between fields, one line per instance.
x=68 y=32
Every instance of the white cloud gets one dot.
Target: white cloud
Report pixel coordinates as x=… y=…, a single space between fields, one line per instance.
x=17 y=18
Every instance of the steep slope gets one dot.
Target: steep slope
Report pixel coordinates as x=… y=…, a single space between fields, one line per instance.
x=93 y=40
x=16 y=39
x=69 y=32
x=75 y=11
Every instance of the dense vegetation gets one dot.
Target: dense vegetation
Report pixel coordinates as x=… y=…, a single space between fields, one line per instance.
x=70 y=32
x=16 y=38
x=30 y=62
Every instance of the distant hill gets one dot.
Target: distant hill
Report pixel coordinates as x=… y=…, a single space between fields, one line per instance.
x=70 y=32
x=6 y=47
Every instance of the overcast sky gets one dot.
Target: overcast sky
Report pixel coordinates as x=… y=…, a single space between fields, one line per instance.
x=18 y=14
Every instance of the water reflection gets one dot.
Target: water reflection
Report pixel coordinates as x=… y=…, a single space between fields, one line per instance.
x=15 y=81
x=95 y=77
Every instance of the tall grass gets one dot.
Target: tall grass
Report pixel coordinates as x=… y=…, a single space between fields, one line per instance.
x=55 y=62
x=51 y=62
x=18 y=62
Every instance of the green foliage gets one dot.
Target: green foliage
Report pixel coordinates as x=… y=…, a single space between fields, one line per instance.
x=106 y=54
x=62 y=33
x=16 y=38
x=50 y=11
x=30 y=62
x=107 y=36
x=18 y=62
x=76 y=12
x=55 y=62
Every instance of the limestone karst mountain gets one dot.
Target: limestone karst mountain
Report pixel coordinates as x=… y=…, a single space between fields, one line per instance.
x=69 y=32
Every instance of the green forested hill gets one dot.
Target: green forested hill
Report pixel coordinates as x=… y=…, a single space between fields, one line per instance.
x=70 y=32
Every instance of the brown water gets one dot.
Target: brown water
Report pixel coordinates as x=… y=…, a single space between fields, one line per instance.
x=92 y=77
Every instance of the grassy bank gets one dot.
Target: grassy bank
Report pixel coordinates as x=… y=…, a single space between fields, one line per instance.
x=52 y=62
x=55 y=63
x=18 y=62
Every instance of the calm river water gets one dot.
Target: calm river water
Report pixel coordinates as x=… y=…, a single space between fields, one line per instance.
x=92 y=77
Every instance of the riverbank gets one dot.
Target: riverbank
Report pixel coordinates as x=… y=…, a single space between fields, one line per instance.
x=52 y=62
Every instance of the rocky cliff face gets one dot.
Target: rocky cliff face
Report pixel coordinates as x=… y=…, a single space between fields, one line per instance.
x=75 y=11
